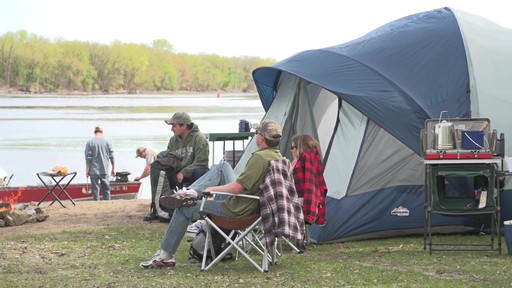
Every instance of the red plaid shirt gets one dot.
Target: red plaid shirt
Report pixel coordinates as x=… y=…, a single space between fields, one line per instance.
x=308 y=175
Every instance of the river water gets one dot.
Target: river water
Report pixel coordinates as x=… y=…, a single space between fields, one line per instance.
x=44 y=131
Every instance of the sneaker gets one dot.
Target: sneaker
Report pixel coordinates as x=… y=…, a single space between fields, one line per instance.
x=156 y=262
x=194 y=227
x=176 y=201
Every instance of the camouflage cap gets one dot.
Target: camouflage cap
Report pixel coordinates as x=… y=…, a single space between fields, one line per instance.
x=179 y=118
x=269 y=129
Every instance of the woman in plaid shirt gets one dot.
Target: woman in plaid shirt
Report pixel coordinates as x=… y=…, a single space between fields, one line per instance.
x=309 y=179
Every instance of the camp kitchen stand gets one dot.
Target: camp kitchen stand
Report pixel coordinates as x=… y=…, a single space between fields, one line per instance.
x=461 y=176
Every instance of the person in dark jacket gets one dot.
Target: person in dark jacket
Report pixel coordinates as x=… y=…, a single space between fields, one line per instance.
x=189 y=143
x=191 y=147
x=268 y=137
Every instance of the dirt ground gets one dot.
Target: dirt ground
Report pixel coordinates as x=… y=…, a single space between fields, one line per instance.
x=85 y=214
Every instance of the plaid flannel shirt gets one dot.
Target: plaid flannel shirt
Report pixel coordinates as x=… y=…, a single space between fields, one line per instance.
x=308 y=175
x=281 y=212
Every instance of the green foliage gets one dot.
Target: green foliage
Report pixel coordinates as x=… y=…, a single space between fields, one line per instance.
x=109 y=257
x=35 y=64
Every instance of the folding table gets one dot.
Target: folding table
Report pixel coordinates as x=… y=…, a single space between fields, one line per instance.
x=234 y=137
x=61 y=181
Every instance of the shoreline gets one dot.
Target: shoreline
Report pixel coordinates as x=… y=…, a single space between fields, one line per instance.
x=4 y=90
x=86 y=215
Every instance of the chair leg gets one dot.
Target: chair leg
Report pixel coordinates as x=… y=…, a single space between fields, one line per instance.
x=257 y=243
x=264 y=264
x=306 y=234
x=234 y=244
x=208 y=246
x=290 y=244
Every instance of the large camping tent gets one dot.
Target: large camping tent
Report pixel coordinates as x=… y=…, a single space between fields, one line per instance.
x=367 y=100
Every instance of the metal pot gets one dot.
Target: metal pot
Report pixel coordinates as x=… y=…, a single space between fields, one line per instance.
x=122 y=176
x=443 y=135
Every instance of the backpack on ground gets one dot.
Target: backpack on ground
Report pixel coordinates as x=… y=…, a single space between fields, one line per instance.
x=199 y=241
x=163 y=182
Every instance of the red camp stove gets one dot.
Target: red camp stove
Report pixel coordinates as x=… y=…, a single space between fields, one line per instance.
x=457 y=154
x=458 y=138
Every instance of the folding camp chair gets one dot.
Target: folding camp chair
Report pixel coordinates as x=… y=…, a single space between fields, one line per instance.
x=279 y=200
x=241 y=227
x=257 y=237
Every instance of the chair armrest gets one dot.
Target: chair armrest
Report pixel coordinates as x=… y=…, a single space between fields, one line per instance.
x=225 y=193
x=231 y=194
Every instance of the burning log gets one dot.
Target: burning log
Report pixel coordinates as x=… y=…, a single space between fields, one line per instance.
x=9 y=216
x=26 y=213
x=5 y=208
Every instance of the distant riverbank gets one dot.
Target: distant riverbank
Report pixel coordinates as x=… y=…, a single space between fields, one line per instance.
x=4 y=90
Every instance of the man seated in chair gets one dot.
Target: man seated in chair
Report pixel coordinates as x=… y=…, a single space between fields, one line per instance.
x=268 y=136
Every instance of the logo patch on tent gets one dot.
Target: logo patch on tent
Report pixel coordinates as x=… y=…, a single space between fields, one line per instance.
x=400 y=211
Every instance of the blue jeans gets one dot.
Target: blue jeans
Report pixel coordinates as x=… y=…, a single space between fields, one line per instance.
x=219 y=175
x=96 y=181
x=196 y=174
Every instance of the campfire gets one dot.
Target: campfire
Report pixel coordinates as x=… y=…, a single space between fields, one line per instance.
x=26 y=213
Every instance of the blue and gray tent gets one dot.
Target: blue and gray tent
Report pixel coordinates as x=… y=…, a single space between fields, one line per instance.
x=368 y=99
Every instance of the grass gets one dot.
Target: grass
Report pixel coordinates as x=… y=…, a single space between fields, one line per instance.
x=110 y=258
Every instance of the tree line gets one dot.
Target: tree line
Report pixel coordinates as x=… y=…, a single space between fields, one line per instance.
x=34 y=64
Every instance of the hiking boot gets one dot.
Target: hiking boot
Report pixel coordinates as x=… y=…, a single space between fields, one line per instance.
x=156 y=262
x=176 y=201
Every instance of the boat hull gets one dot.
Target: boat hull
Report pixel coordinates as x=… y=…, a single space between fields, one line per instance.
x=77 y=191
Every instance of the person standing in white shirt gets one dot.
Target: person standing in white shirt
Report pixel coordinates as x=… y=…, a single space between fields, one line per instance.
x=150 y=156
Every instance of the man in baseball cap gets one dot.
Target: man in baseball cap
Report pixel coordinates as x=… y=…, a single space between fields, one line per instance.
x=249 y=182
x=150 y=156
x=179 y=118
x=189 y=143
x=139 y=151
x=268 y=129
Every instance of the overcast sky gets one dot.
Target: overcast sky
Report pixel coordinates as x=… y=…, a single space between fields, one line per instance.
x=263 y=28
